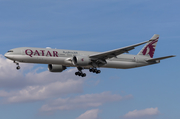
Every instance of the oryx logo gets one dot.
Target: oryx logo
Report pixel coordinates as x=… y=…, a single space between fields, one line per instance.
x=82 y=59
x=150 y=48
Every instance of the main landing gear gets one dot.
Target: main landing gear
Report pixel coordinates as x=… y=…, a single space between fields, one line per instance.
x=80 y=73
x=18 y=67
x=94 y=70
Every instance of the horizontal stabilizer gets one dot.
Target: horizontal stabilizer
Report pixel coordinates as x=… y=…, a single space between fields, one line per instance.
x=160 y=58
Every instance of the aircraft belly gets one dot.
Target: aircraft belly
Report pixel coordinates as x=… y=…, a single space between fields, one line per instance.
x=65 y=62
x=40 y=59
x=120 y=64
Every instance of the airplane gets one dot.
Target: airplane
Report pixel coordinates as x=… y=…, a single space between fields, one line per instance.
x=59 y=59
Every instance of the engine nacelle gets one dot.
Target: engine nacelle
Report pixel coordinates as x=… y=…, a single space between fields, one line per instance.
x=81 y=60
x=56 y=68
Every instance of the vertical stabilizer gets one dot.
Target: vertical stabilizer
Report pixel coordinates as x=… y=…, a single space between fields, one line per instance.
x=149 y=49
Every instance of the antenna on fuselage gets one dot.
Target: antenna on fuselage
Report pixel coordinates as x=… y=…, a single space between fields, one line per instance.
x=48 y=47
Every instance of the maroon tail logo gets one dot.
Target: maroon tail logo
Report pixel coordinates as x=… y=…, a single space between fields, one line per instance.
x=150 y=48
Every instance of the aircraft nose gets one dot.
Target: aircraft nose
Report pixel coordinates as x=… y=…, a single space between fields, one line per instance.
x=7 y=55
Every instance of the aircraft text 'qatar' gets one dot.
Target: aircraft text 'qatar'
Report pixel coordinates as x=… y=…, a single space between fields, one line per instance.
x=31 y=53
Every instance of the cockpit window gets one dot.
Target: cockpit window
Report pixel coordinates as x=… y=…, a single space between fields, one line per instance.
x=10 y=51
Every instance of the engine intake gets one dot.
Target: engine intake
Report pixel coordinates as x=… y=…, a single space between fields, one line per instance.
x=81 y=60
x=56 y=68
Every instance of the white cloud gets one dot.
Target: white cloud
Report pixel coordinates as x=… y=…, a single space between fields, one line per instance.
x=142 y=113
x=26 y=85
x=12 y=78
x=35 y=93
x=90 y=114
x=17 y=86
x=83 y=101
x=9 y=76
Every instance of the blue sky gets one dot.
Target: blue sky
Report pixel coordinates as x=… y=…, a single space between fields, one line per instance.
x=91 y=25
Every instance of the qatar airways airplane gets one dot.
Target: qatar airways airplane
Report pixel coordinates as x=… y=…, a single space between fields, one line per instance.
x=59 y=59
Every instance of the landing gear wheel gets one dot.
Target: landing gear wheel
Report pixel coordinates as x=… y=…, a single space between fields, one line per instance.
x=90 y=70
x=83 y=75
x=76 y=73
x=98 y=71
x=95 y=70
x=18 y=67
x=80 y=73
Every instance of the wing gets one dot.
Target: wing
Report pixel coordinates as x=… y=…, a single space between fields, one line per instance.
x=114 y=53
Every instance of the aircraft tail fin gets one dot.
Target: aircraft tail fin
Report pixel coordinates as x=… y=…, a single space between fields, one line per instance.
x=149 y=49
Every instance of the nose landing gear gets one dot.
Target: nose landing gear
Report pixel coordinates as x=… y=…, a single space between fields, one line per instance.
x=18 y=67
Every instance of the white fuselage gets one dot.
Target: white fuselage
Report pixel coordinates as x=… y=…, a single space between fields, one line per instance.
x=64 y=57
x=58 y=59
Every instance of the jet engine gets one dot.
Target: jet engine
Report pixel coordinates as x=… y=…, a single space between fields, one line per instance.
x=81 y=60
x=56 y=68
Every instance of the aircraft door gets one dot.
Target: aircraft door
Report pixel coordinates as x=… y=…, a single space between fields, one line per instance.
x=136 y=59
